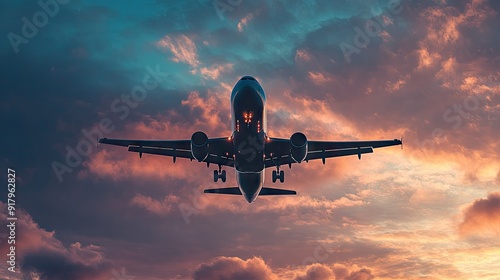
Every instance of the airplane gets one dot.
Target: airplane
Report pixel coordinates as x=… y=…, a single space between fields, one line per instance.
x=249 y=149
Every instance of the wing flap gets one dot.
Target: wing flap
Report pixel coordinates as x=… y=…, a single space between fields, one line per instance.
x=222 y=160
x=286 y=159
x=161 y=152
x=280 y=149
x=177 y=144
x=220 y=149
x=338 y=153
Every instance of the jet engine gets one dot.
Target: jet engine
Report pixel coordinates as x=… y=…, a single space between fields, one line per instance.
x=298 y=147
x=199 y=145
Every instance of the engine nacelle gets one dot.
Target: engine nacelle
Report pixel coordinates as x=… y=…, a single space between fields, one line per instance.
x=298 y=147
x=199 y=145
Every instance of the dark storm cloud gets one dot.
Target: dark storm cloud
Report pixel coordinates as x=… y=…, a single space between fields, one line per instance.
x=40 y=254
x=55 y=266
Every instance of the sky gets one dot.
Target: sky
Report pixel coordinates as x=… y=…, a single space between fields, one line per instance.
x=427 y=71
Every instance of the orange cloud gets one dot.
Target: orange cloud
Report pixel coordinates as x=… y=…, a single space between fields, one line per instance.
x=213 y=72
x=244 y=21
x=256 y=268
x=482 y=217
x=214 y=104
x=302 y=55
x=234 y=268
x=182 y=47
x=337 y=271
x=153 y=205
x=318 y=77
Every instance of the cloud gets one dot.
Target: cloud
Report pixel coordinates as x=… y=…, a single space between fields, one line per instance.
x=153 y=205
x=244 y=21
x=318 y=78
x=302 y=55
x=392 y=212
x=233 y=268
x=318 y=272
x=182 y=48
x=482 y=217
x=214 y=72
x=42 y=256
x=362 y=274
x=120 y=165
x=54 y=265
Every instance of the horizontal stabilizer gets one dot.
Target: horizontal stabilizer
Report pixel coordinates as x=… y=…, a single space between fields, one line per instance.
x=271 y=191
x=233 y=190
x=263 y=191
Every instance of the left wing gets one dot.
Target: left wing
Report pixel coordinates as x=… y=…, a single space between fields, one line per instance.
x=280 y=149
x=220 y=149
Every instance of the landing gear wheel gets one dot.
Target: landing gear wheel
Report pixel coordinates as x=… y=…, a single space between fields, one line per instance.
x=223 y=176
x=282 y=176
x=274 y=176
x=216 y=176
x=220 y=174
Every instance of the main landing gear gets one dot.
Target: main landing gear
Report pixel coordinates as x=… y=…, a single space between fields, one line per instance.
x=220 y=174
x=278 y=174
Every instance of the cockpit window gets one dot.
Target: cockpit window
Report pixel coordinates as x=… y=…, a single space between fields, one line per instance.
x=248 y=78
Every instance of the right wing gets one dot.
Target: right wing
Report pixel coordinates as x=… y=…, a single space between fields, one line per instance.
x=220 y=149
x=280 y=149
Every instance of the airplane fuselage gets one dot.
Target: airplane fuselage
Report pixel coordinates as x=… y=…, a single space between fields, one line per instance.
x=248 y=113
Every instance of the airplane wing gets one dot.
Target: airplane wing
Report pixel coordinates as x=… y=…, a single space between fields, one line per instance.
x=280 y=149
x=220 y=149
